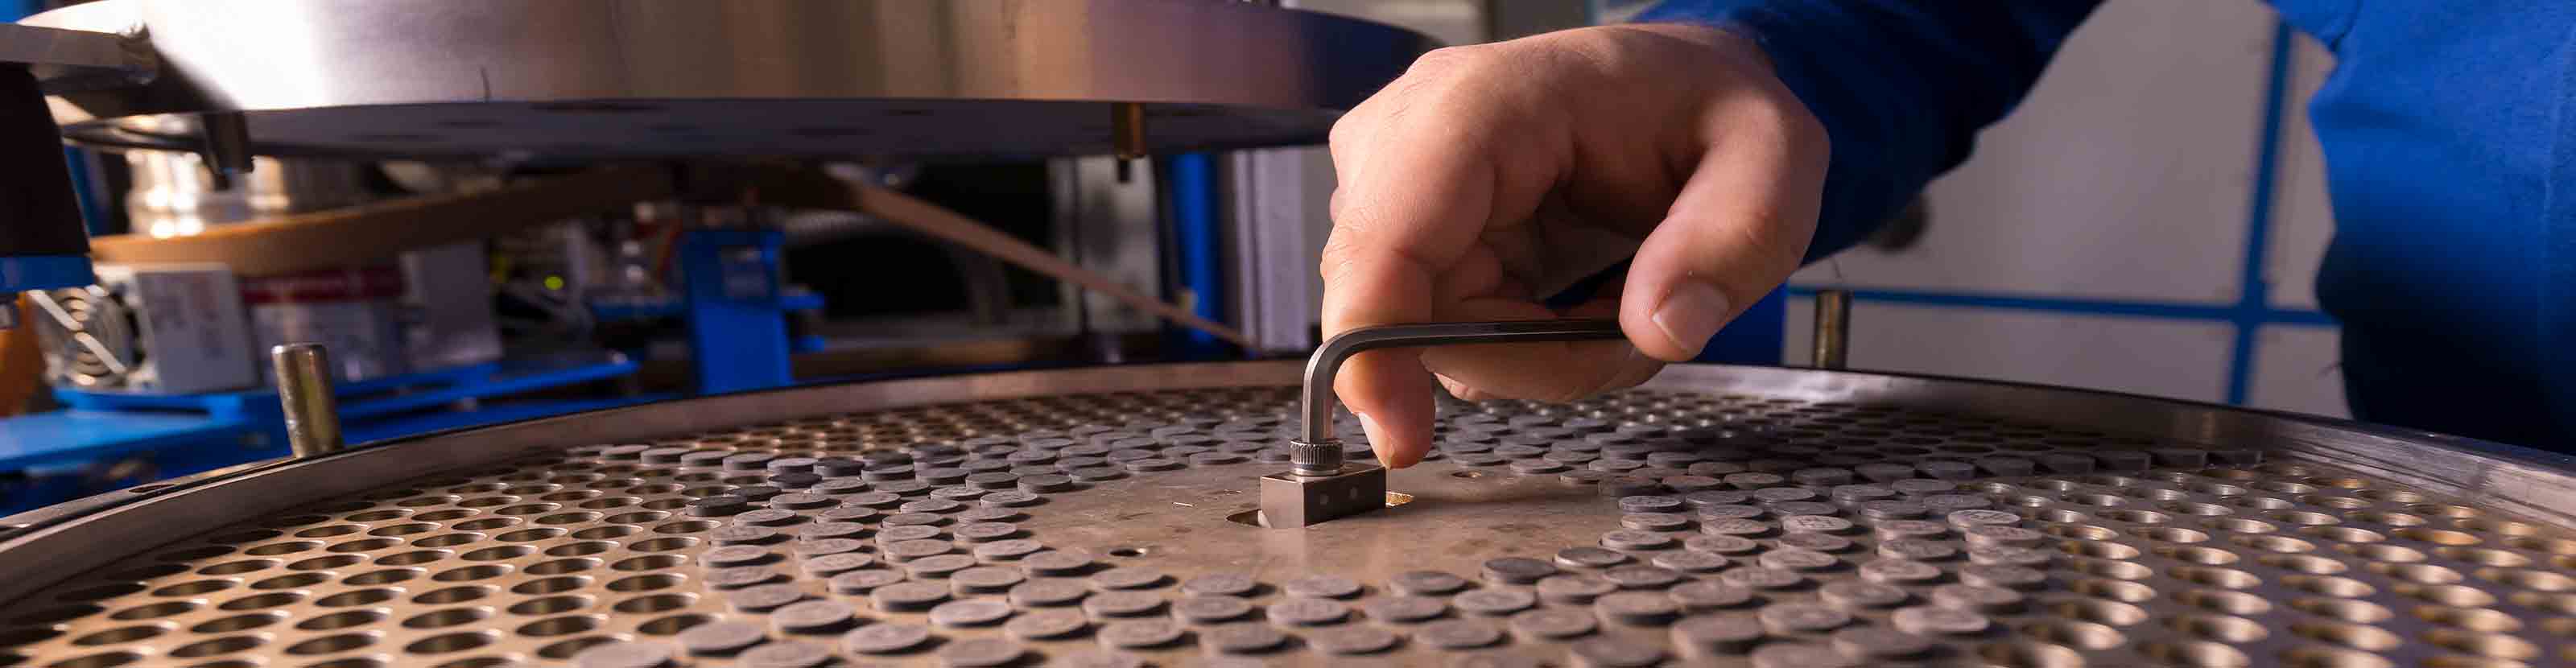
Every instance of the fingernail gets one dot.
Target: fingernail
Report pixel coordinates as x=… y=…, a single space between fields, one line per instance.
x=1377 y=439
x=1690 y=314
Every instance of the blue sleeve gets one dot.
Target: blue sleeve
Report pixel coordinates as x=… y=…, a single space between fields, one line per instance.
x=1902 y=86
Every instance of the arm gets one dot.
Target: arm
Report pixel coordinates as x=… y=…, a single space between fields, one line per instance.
x=1901 y=87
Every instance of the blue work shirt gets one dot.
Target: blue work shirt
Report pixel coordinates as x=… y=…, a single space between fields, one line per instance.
x=2449 y=131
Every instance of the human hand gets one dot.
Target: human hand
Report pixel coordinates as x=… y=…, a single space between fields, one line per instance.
x=1488 y=177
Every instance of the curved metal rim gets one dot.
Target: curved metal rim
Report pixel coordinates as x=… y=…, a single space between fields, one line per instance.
x=260 y=55
x=2518 y=479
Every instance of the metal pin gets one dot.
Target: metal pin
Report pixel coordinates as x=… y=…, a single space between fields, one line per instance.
x=1833 y=329
x=304 y=391
x=1127 y=135
x=226 y=145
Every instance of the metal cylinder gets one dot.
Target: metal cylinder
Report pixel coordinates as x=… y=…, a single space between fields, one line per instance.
x=1833 y=329
x=304 y=391
x=1127 y=129
x=1314 y=459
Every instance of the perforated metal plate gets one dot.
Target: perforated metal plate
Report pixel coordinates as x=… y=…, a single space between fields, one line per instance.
x=1665 y=526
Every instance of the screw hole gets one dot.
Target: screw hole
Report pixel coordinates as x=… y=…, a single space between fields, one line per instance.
x=1130 y=551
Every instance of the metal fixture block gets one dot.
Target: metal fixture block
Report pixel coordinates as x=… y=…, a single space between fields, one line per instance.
x=1290 y=501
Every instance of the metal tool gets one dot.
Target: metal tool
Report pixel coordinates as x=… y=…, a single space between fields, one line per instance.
x=1833 y=329
x=1318 y=485
x=597 y=78
x=304 y=391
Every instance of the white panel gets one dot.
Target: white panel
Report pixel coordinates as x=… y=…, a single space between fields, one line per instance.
x=2126 y=174
x=2298 y=368
x=2302 y=219
x=2168 y=358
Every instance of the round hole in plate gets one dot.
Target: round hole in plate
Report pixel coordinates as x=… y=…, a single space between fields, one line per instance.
x=99 y=660
x=357 y=597
x=500 y=552
x=2473 y=619
x=2077 y=634
x=238 y=567
x=291 y=581
x=240 y=537
x=2216 y=577
x=2328 y=585
x=566 y=625
x=650 y=562
x=2284 y=487
x=2241 y=525
x=2058 y=515
x=663 y=544
x=444 y=515
x=2356 y=636
x=673 y=624
x=528 y=535
x=2194 y=654
x=2200 y=509
x=121 y=634
x=2329 y=657
x=652 y=603
x=2273 y=543
x=2232 y=474
x=2444 y=510
x=2260 y=502
x=552 y=585
x=2390 y=519
x=2335 y=502
x=2302 y=563
x=2099 y=611
x=259 y=601
x=225 y=645
x=605 y=532
x=471 y=573
x=2136 y=516
x=2097 y=549
x=329 y=644
x=2483 y=556
x=382 y=577
x=330 y=531
x=2418 y=573
x=2304 y=518
x=451 y=642
x=2437 y=536
x=487 y=524
x=2198 y=555
x=2230 y=602
x=412 y=558
x=2538 y=544
x=2535 y=580
x=2121 y=570
x=341 y=620
x=562 y=566
x=580 y=548
x=686 y=526
x=645 y=582
x=456 y=594
x=439 y=619
x=1466 y=474
x=566 y=649
x=2104 y=500
x=2451 y=595
x=2027 y=654
x=403 y=529
x=2081 y=532
x=448 y=540
x=154 y=610
x=2350 y=610
x=537 y=607
x=378 y=515
x=2390 y=495
x=2222 y=628
x=325 y=562
x=2343 y=534
x=2495 y=526
x=2116 y=590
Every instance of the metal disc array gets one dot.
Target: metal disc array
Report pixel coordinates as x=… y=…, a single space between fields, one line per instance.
x=1649 y=527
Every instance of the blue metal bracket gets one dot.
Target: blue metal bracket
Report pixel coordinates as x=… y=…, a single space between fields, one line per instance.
x=737 y=311
x=42 y=272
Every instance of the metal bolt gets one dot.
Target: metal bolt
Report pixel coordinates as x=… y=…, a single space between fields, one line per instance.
x=304 y=391
x=1833 y=329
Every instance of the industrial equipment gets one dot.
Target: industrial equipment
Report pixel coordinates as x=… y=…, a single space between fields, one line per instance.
x=1168 y=514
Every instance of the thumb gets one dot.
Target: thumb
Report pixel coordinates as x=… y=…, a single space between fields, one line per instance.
x=1736 y=230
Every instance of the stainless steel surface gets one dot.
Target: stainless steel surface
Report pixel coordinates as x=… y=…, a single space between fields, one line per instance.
x=70 y=59
x=1833 y=329
x=304 y=392
x=1326 y=363
x=173 y=193
x=609 y=78
x=560 y=541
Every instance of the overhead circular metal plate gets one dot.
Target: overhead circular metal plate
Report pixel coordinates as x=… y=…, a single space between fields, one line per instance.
x=1720 y=516
x=628 y=78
